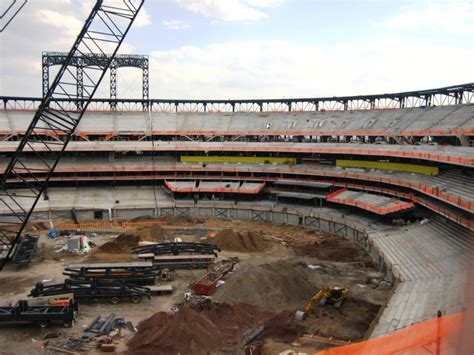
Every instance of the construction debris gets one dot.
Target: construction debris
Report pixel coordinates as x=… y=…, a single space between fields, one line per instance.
x=99 y=334
x=378 y=283
x=78 y=244
x=25 y=251
x=99 y=327
x=266 y=282
x=319 y=339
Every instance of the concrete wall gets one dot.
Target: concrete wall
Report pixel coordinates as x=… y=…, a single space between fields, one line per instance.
x=300 y=216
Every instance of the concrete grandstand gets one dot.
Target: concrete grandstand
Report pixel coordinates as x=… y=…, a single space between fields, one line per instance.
x=367 y=173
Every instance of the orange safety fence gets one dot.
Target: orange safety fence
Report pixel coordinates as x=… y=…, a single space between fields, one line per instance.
x=98 y=225
x=435 y=336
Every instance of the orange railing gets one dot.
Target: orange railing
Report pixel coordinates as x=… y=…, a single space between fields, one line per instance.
x=399 y=205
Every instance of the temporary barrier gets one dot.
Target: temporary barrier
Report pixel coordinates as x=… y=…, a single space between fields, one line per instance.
x=435 y=336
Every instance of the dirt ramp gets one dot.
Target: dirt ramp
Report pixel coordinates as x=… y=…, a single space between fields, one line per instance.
x=244 y=242
x=274 y=286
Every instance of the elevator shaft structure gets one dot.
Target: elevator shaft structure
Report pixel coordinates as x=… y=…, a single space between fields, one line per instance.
x=50 y=59
x=52 y=128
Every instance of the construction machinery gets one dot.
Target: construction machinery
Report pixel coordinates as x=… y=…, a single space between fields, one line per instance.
x=95 y=289
x=333 y=295
x=136 y=273
x=104 y=30
x=44 y=315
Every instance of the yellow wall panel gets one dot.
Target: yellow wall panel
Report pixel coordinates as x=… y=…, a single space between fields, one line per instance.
x=232 y=159
x=420 y=169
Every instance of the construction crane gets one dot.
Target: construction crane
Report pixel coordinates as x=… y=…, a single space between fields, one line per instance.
x=334 y=295
x=53 y=125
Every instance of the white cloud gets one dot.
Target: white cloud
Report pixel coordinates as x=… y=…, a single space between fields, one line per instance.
x=175 y=24
x=263 y=69
x=143 y=18
x=68 y=23
x=264 y=3
x=46 y=25
x=225 y=10
x=446 y=16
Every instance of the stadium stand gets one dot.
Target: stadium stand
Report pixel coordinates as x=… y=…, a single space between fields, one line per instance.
x=429 y=121
x=431 y=262
x=398 y=164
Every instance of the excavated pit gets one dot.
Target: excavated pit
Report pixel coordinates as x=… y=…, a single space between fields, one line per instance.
x=280 y=270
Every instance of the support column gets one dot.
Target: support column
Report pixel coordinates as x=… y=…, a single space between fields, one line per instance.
x=80 y=83
x=113 y=83
x=145 y=85
x=45 y=74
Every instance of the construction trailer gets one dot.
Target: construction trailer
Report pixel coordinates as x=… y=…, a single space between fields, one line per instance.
x=43 y=315
x=177 y=248
x=136 y=273
x=94 y=290
x=173 y=262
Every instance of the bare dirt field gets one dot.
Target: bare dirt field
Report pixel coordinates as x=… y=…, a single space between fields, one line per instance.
x=280 y=269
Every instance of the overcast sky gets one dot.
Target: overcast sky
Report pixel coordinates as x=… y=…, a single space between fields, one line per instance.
x=260 y=48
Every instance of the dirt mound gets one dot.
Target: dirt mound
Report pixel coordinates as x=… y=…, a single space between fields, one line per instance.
x=333 y=249
x=192 y=332
x=221 y=328
x=131 y=237
x=246 y=242
x=270 y=286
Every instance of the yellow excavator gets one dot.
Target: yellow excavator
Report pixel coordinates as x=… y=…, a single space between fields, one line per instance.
x=334 y=295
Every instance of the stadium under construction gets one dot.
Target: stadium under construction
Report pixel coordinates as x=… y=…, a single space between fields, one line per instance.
x=271 y=200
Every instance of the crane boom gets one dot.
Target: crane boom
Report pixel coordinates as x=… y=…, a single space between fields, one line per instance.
x=52 y=126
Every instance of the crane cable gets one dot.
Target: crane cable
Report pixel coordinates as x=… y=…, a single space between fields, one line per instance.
x=153 y=157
